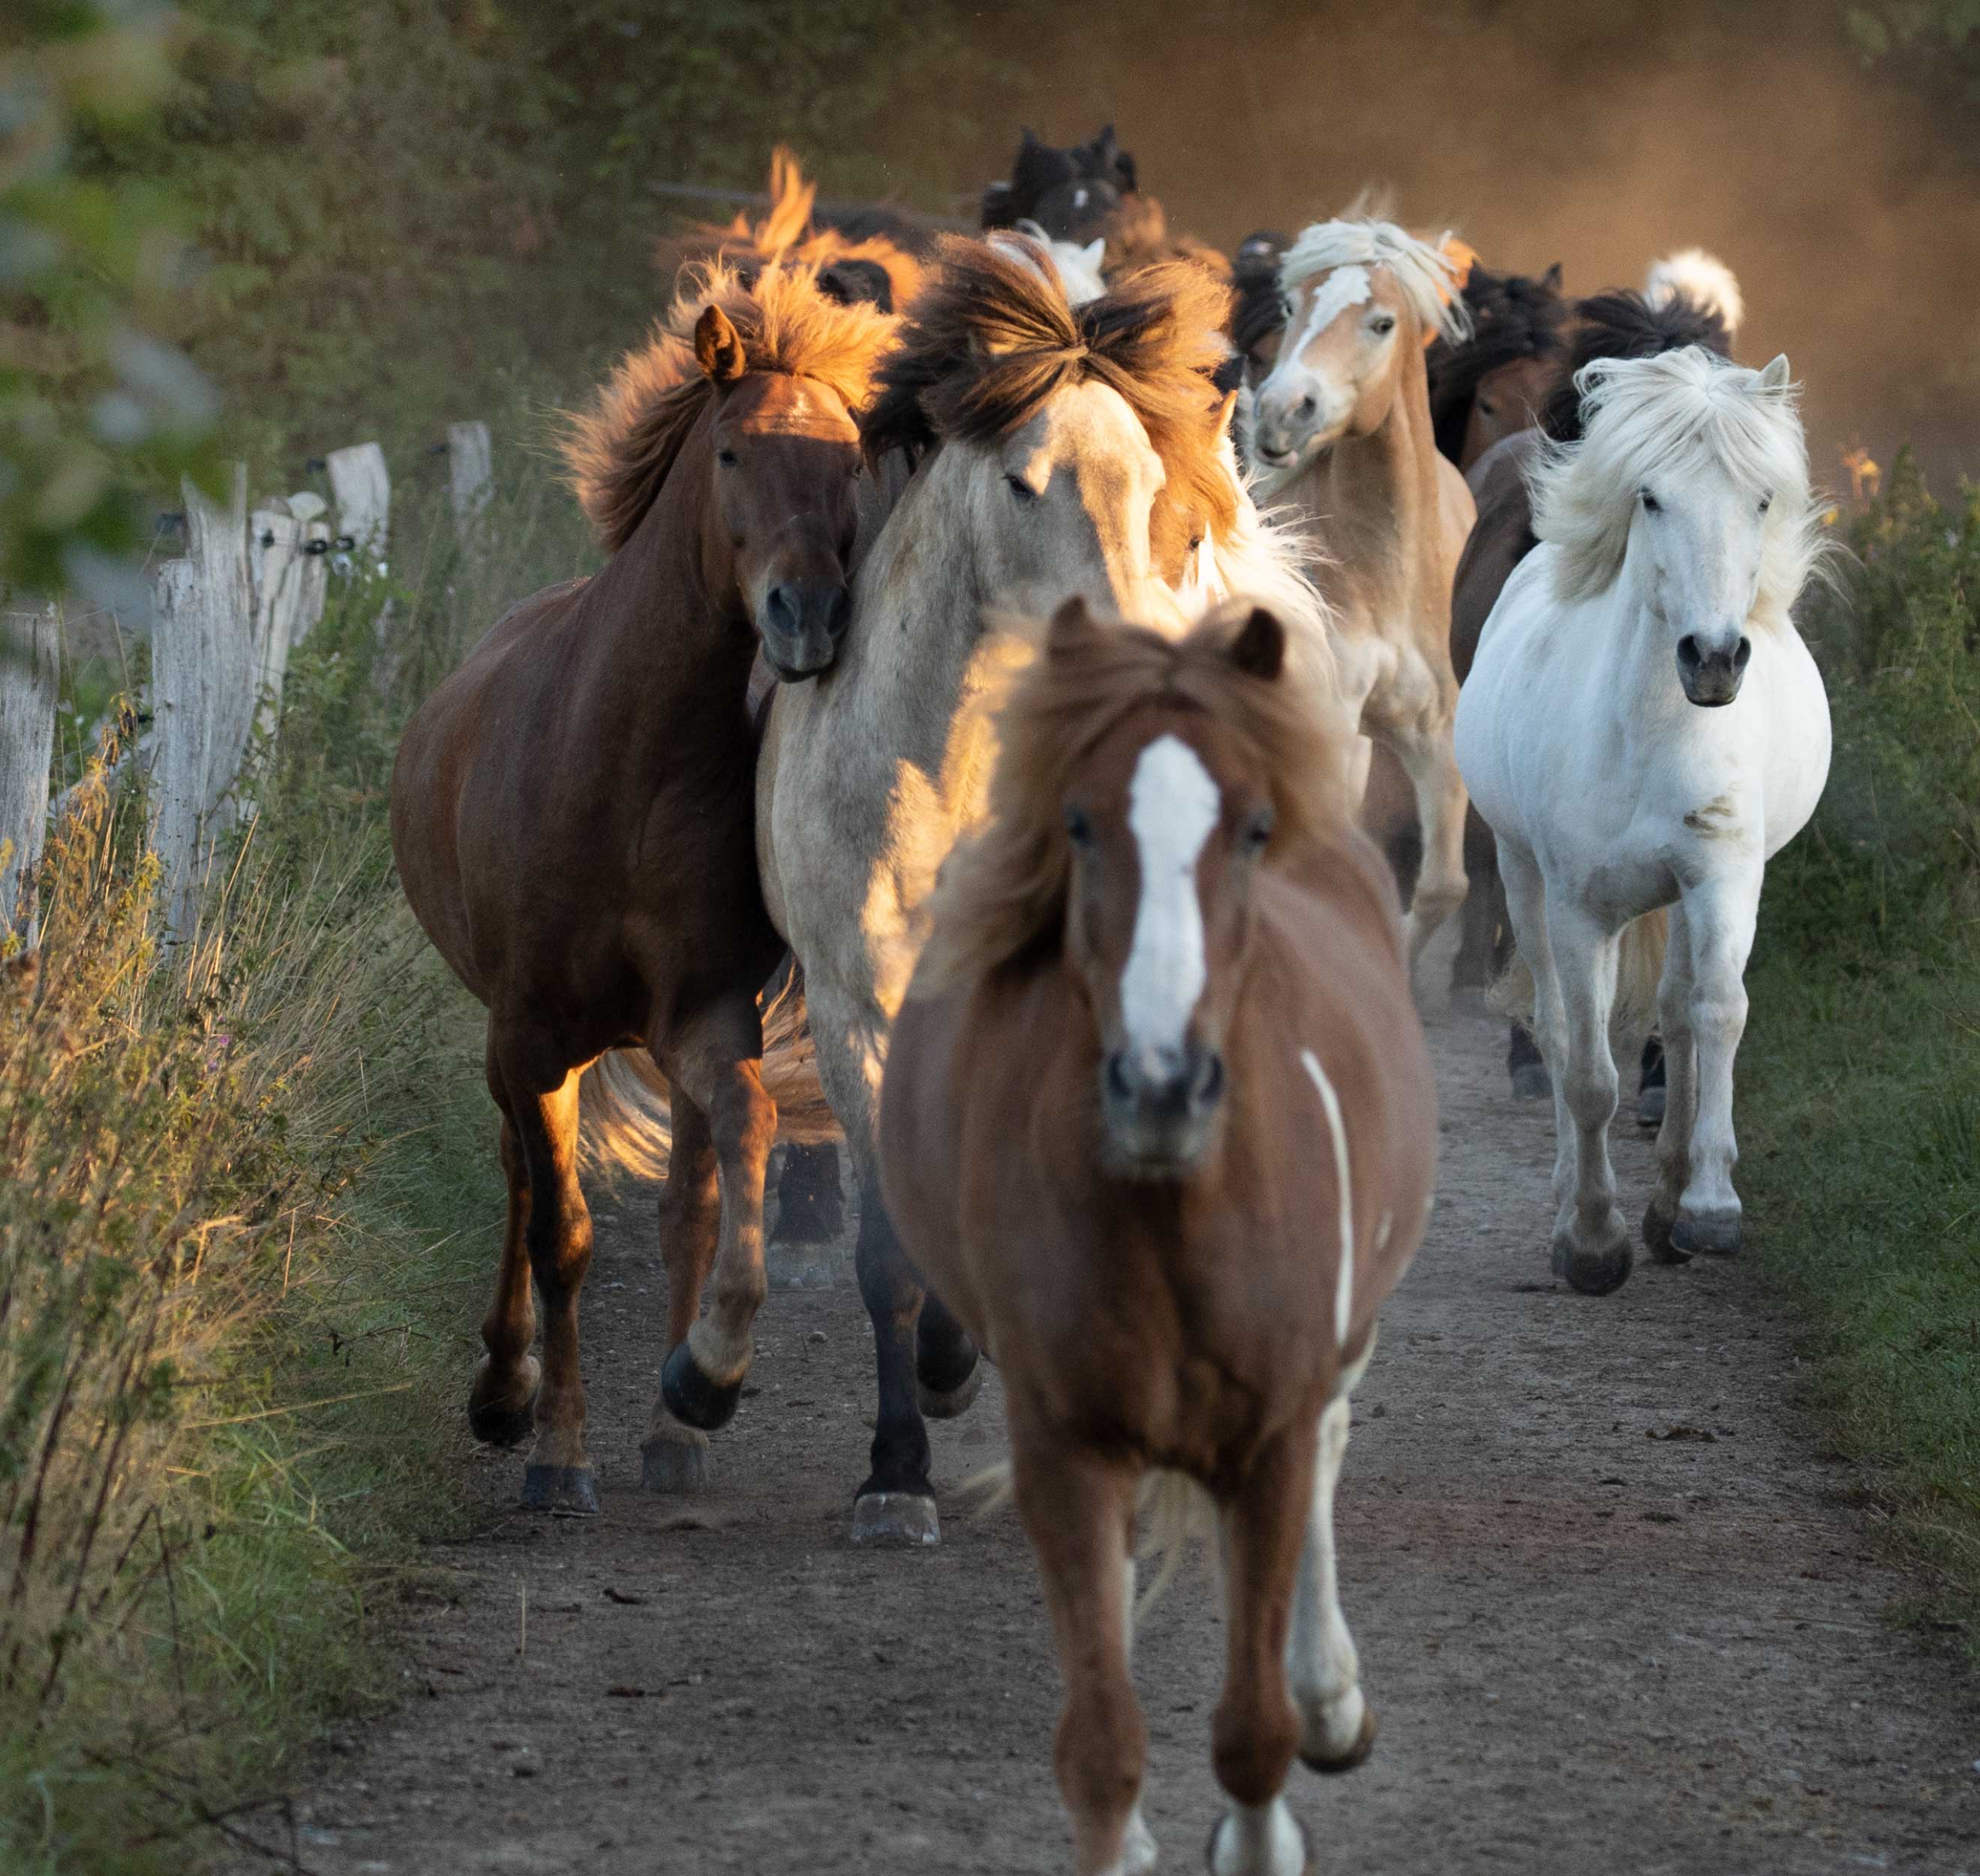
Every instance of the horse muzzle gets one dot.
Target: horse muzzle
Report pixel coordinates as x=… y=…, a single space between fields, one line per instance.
x=1711 y=674
x=801 y=622
x=1160 y=1109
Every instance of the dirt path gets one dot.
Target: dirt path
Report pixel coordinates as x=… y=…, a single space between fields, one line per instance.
x=1615 y=1617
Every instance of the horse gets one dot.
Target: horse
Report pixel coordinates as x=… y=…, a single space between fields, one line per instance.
x=1643 y=728
x=1055 y=451
x=1064 y=190
x=1160 y=1123
x=1615 y=324
x=1343 y=434
x=1490 y=385
x=571 y=818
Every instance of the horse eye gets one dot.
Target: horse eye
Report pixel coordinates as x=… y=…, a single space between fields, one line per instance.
x=1020 y=488
x=726 y=457
x=1383 y=326
x=1651 y=504
x=1078 y=829
x=1258 y=830
x=1196 y=544
x=1767 y=502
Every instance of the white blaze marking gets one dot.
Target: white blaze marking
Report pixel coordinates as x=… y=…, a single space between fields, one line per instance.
x=1343 y=1287
x=1343 y=287
x=1172 y=806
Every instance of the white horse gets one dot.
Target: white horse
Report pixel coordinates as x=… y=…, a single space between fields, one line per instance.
x=1643 y=728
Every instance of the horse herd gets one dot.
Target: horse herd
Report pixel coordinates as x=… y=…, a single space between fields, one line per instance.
x=1022 y=634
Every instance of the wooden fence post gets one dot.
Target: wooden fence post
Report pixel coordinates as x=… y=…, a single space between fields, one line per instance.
x=470 y=472
x=276 y=567
x=29 y=672
x=309 y=509
x=363 y=492
x=204 y=674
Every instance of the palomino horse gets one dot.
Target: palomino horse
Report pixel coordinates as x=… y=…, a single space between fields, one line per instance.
x=1057 y=452
x=571 y=814
x=1642 y=728
x=1343 y=434
x=1609 y=325
x=1159 y=1124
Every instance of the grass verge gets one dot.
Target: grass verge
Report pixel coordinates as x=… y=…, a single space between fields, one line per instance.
x=1860 y=1071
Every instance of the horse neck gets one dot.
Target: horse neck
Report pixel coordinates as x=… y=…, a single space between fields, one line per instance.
x=670 y=592
x=1377 y=495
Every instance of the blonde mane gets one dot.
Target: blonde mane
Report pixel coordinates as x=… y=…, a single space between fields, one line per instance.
x=1426 y=272
x=1666 y=416
x=617 y=452
x=1005 y=889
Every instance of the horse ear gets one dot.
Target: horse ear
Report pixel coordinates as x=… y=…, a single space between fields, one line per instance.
x=1259 y=650
x=1095 y=251
x=718 y=347
x=1774 y=375
x=1553 y=278
x=1070 y=626
x=1225 y=411
x=1030 y=139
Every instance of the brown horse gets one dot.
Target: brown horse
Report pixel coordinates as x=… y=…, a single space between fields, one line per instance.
x=1491 y=383
x=1160 y=1125
x=572 y=816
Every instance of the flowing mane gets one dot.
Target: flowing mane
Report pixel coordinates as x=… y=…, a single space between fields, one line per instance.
x=1647 y=419
x=992 y=336
x=617 y=453
x=1622 y=325
x=1427 y=275
x=1005 y=889
x=1513 y=317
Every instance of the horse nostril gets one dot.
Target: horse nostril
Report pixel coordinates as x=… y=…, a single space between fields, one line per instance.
x=1740 y=657
x=1117 y=1083
x=841 y=613
x=1306 y=407
x=783 y=609
x=1209 y=1079
x=1688 y=653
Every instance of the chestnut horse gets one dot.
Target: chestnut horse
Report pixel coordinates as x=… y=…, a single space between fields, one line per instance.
x=1160 y=1125
x=571 y=815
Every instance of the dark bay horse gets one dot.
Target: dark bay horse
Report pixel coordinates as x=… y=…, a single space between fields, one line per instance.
x=1618 y=324
x=1488 y=385
x=571 y=816
x=1159 y=1123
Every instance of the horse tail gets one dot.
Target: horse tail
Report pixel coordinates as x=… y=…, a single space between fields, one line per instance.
x=625 y=1104
x=1703 y=279
x=1640 y=969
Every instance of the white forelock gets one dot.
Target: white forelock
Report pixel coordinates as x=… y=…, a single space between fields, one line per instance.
x=1646 y=420
x=1423 y=271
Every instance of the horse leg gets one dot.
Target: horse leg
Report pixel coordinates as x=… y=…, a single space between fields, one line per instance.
x=1473 y=969
x=1256 y=1730
x=1078 y=1513
x=673 y=1457
x=896 y=1505
x=542 y=1101
x=1680 y=1093
x=502 y=1402
x=1337 y=1725
x=948 y=1366
x=716 y=1060
x=1653 y=1083
x=1526 y=908
x=1591 y=1245
x=1720 y=914
x=1426 y=754
x=811 y=1213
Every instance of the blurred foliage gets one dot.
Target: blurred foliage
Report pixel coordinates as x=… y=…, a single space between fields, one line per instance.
x=1934 y=43
x=94 y=405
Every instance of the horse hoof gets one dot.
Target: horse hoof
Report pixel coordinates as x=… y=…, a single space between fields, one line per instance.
x=1650 y=1106
x=1216 y=1836
x=573 y=1489
x=1716 y=1236
x=692 y=1397
x=504 y=1421
x=1657 y=1237
x=1593 y=1273
x=1356 y=1754
x=675 y=1467
x=1532 y=1083
x=895 y=1521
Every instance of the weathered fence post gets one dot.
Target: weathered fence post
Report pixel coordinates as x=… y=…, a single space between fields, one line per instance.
x=276 y=571
x=470 y=472
x=364 y=493
x=309 y=509
x=30 y=671
x=204 y=668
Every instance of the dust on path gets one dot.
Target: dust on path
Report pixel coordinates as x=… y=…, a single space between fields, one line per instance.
x=1615 y=1618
